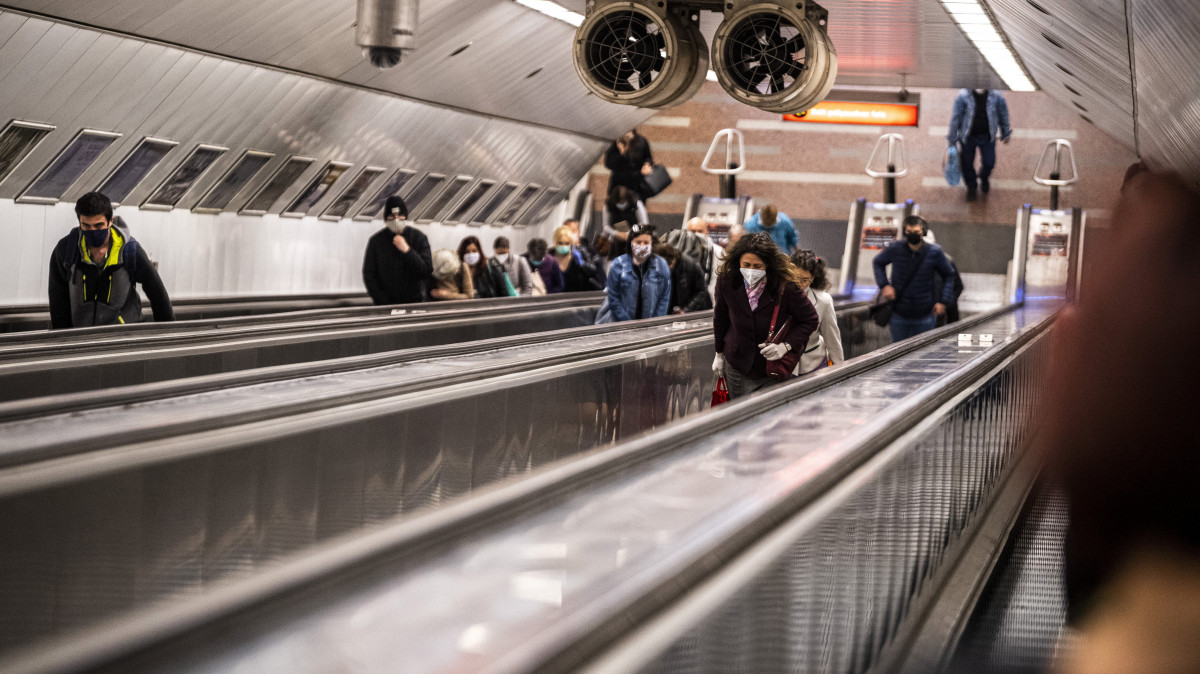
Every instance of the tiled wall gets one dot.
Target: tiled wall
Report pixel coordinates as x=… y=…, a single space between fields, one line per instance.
x=222 y=255
x=815 y=171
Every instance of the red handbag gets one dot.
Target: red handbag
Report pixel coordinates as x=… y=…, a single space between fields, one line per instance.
x=720 y=393
x=784 y=368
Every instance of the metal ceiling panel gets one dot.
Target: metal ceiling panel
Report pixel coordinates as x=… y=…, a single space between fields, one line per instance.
x=140 y=89
x=1166 y=53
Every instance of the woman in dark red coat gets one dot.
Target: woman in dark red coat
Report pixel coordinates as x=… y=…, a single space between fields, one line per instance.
x=754 y=278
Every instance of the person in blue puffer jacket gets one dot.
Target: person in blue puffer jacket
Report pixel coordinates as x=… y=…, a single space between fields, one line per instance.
x=639 y=282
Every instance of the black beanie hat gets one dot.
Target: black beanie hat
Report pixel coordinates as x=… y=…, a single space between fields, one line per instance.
x=395 y=206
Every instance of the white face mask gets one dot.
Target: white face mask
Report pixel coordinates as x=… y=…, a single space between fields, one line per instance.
x=502 y=258
x=754 y=276
x=395 y=225
x=471 y=259
x=641 y=251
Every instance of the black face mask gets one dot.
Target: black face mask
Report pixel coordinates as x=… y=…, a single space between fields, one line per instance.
x=913 y=237
x=96 y=237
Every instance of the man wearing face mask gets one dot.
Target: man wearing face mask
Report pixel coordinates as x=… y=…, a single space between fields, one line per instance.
x=918 y=299
x=976 y=118
x=398 y=262
x=94 y=271
x=515 y=266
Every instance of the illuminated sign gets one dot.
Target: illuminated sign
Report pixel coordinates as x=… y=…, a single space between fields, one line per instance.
x=873 y=114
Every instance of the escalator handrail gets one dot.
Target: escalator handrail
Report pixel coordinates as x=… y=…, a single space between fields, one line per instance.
x=122 y=343
x=480 y=512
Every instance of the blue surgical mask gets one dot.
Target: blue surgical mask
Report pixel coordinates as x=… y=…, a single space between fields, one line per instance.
x=562 y=250
x=96 y=237
x=535 y=263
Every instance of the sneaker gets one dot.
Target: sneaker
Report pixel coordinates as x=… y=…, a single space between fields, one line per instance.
x=984 y=186
x=970 y=194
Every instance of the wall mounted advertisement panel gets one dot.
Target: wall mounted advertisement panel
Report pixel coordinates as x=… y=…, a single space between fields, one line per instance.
x=70 y=164
x=172 y=189
x=17 y=140
x=361 y=184
x=494 y=201
x=148 y=154
x=430 y=186
x=279 y=183
x=397 y=185
x=462 y=211
x=433 y=207
x=317 y=189
x=242 y=172
x=511 y=210
x=540 y=210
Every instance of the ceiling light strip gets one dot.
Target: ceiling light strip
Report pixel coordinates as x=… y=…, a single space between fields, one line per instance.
x=553 y=10
x=978 y=25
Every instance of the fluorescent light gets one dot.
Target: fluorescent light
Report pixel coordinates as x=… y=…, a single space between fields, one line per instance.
x=976 y=24
x=553 y=10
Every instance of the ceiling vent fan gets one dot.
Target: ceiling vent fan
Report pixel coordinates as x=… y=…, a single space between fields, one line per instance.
x=640 y=54
x=775 y=57
x=651 y=54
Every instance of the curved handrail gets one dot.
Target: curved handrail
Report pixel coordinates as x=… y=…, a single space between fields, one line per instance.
x=893 y=139
x=1059 y=145
x=729 y=135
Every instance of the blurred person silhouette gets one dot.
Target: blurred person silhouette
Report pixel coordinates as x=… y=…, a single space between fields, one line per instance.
x=577 y=276
x=824 y=348
x=976 y=118
x=1119 y=435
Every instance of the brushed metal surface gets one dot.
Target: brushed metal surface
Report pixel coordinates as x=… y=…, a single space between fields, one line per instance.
x=1166 y=48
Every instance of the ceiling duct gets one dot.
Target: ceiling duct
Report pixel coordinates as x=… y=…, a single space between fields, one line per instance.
x=775 y=57
x=641 y=54
x=385 y=30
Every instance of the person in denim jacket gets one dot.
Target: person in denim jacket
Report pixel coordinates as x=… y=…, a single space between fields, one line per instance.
x=639 y=282
x=978 y=115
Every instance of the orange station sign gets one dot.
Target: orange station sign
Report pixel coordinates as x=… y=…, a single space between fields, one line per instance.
x=873 y=114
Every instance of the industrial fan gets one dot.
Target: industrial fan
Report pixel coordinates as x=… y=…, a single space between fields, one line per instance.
x=635 y=54
x=775 y=57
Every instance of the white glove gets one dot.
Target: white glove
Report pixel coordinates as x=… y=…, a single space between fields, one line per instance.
x=719 y=365
x=773 y=351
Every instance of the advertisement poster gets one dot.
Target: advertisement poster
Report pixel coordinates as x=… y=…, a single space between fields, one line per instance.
x=878 y=238
x=1050 y=245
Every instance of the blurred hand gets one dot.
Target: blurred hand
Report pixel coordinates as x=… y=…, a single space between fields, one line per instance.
x=439 y=293
x=719 y=365
x=939 y=309
x=889 y=293
x=647 y=169
x=401 y=243
x=624 y=236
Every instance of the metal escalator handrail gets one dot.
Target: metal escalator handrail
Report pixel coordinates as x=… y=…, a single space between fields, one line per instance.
x=129 y=435
x=271 y=329
x=486 y=509
x=202 y=324
x=673 y=606
x=129 y=395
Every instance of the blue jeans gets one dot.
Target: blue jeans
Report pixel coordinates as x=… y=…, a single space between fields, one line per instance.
x=987 y=155
x=903 y=328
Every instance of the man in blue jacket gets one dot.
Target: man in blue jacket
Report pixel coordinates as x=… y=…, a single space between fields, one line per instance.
x=977 y=117
x=919 y=300
x=778 y=225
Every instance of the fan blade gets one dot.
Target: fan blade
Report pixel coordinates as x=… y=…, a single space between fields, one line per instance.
x=776 y=83
x=795 y=44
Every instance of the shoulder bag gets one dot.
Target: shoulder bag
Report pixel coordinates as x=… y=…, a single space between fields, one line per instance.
x=657 y=181
x=784 y=368
x=880 y=309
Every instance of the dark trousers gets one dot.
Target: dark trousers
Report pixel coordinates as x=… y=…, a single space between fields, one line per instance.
x=987 y=154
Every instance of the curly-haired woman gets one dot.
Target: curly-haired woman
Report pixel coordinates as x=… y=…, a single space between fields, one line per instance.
x=754 y=278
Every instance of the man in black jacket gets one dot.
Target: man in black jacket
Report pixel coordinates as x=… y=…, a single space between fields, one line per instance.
x=94 y=271
x=919 y=298
x=398 y=263
x=689 y=292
